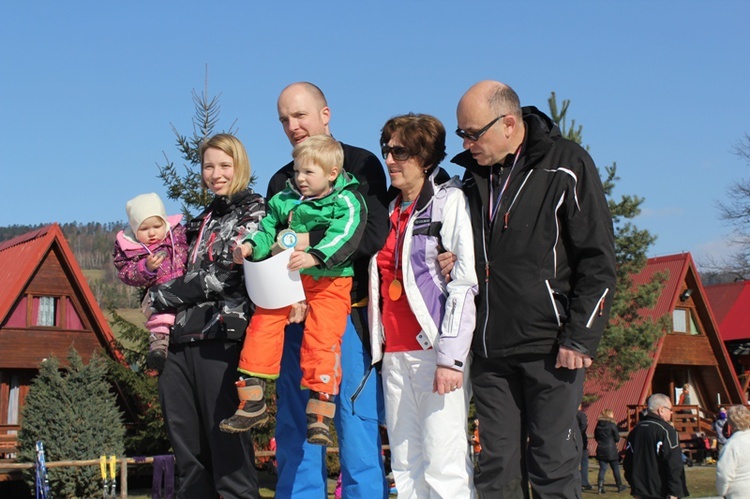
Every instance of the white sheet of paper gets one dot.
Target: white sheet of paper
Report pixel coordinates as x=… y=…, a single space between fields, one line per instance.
x=270 y=284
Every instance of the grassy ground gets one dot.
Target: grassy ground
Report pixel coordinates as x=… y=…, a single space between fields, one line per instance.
x=267 y=487
x=701 y=482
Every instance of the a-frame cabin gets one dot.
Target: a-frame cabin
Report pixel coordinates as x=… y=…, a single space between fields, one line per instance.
x=690 y=352
x=46 y=306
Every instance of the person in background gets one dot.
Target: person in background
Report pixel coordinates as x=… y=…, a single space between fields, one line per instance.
x=733 y=468
x=718 y=426
x=653 y=456
x=685 y=397
x=303 y=112
x=421 y=323
x=196 y=386
x=607 y=436
x=583 y=424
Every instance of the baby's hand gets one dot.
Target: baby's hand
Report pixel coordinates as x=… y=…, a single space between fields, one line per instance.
x=302 y=260
x=241 y=252
x=155 y=260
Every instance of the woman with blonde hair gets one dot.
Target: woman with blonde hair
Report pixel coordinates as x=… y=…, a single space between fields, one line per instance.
x=733 y=468
x=195 y=386
x=607 y=437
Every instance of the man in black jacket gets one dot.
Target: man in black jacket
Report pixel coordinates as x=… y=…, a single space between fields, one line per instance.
x=544 y=241
x=653 y=457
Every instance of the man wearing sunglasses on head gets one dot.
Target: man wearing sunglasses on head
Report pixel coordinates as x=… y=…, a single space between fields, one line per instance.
x=304 y=112
x=544 y=244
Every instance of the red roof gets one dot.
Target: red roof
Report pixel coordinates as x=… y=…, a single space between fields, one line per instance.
x=19 y=259
x=676 y=266
x=731 y=306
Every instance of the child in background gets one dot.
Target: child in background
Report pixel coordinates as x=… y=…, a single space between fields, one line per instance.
x=324 y=199
x=153 y=250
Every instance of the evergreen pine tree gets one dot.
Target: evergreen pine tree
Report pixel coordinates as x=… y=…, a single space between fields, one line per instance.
x=186 y=187
x=629 y=339
x=140 y=387
x=75 y=414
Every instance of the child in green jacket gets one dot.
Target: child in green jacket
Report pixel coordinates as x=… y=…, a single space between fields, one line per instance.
x=323 y=200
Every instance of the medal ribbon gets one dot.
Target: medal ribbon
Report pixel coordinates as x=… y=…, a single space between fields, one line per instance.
x=399 y=234
x=395 y=289
x=493 y=211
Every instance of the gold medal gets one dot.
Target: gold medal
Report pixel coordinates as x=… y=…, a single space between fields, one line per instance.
x=394 y=290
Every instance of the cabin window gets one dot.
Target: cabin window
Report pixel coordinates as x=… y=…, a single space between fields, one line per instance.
x=684 y=322
x=13 y=391
x=693 y=325
x=679 y=320
x=46 y=313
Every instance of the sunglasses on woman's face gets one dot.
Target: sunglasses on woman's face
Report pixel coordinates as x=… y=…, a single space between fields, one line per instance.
x=399 y=153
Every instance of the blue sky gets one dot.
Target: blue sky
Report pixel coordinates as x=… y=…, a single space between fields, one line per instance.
x=88 y=90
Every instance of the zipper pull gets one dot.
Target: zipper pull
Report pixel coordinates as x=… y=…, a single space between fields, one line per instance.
x=486 y=272
x=601 y=308
x=506 y=217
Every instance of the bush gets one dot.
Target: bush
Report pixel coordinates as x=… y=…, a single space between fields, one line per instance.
x=75 y=414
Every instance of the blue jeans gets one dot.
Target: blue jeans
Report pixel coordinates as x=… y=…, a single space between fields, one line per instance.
x=585 y=467
x=359 y=408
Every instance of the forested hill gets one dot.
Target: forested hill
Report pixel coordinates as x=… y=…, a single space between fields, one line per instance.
x=92 y=245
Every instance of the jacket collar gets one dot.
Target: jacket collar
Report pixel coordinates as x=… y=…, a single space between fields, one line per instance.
x=221 y=205
x=434 y=180
x=343 y=181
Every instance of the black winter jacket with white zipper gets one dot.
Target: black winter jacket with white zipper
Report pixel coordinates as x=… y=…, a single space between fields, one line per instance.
x=548 y=259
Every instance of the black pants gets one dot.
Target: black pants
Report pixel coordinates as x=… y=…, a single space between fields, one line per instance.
x=527 y=419
x=197 y=391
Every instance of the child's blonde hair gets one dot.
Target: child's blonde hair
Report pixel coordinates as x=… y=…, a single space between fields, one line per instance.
x=321 y=150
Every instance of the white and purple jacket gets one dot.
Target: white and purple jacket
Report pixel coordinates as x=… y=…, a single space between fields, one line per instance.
x=446 y=311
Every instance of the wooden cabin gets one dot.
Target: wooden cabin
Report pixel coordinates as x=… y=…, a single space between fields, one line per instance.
x=690 y=352
x=46 y=307
x=731 y=306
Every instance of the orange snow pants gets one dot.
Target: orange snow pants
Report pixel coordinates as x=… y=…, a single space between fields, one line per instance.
x=328 y=309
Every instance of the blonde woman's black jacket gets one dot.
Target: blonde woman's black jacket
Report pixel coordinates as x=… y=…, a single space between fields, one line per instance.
x=607 y=437
x=210 y=299
x=546 y=265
